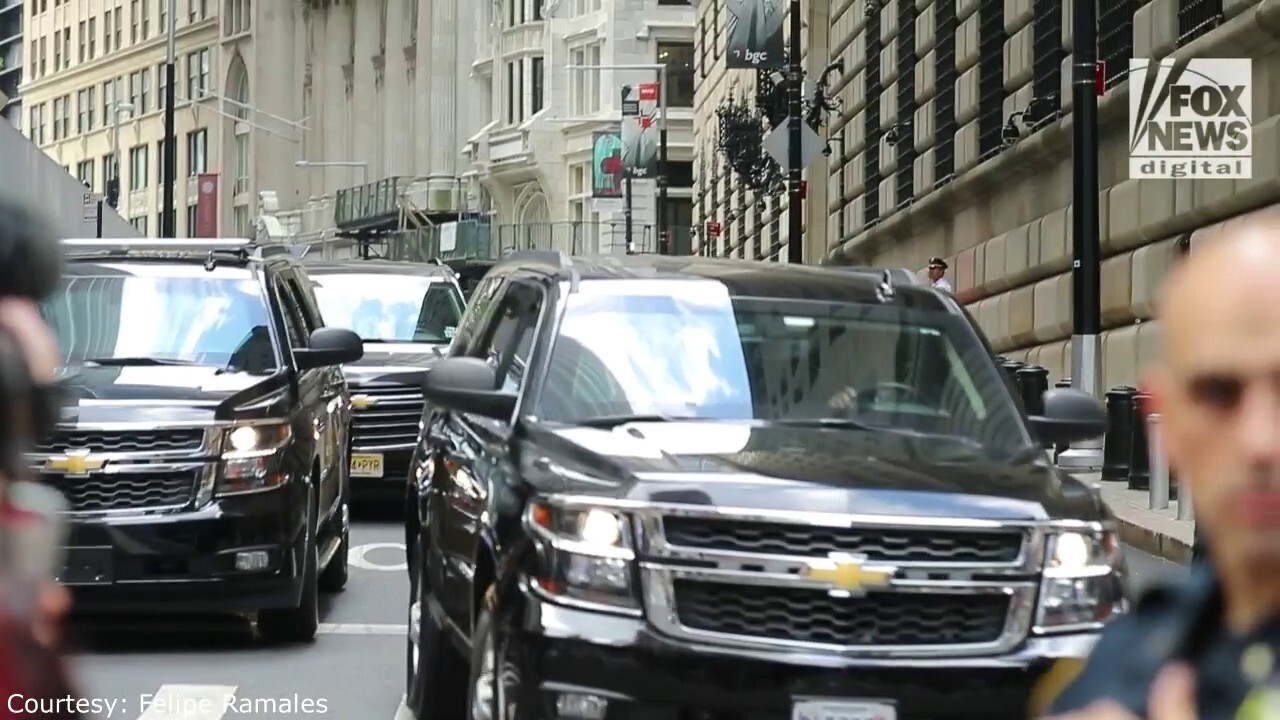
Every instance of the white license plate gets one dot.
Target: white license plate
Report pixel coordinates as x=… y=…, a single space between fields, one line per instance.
x=366 y=465
x=843 y=710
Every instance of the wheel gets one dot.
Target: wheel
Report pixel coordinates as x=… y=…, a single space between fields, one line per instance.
x=298 y=624
x=495 y=687
x=434 y=671
x=334 y=577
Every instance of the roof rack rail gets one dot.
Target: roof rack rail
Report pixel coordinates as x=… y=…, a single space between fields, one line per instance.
x=896 y=276
x=558 y=258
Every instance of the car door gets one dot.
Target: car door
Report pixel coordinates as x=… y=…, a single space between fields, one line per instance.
x=310 y=417
x=336 y=421
x=438 y=447
x=479 y=451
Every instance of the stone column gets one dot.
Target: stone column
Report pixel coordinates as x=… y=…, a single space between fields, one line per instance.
x=443 y=71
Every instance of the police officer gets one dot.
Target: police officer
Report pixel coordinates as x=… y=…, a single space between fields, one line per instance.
x=1208 y=648
x=937 y=274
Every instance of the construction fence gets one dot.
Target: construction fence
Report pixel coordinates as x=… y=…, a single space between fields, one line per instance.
x=482 y=240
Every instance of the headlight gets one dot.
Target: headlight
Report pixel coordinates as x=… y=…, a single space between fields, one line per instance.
x=585 y=556
x=250 y=458
x=1083 y=585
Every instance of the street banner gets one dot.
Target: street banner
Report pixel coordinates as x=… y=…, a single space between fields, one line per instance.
x=206 y=206
x=640 y=131
x=755 y=32
x=607 y=171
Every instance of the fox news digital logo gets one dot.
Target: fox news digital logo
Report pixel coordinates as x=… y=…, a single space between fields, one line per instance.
x=1191 y=118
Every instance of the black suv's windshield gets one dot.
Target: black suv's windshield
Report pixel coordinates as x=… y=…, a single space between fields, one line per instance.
x=390 y=308
x=162 y=319
x=703 y=354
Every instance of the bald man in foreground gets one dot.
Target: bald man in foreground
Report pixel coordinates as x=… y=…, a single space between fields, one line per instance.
x=1208 y=648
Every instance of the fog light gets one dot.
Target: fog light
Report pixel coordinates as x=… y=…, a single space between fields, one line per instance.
x=250 y=561
x=581 y=707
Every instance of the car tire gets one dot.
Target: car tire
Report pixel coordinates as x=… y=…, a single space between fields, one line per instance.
x=435 y=672
x=494 y=689
x=335 y=575
x=298 y=624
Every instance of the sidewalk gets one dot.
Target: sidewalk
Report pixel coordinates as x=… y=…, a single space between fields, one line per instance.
x=1158 y=532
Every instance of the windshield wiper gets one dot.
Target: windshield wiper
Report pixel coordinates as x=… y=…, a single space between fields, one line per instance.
x=135 y=361
x=608 y=421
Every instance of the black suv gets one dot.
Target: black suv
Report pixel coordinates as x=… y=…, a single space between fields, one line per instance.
x=202 y=450
x=406 y=314
x=679 y=487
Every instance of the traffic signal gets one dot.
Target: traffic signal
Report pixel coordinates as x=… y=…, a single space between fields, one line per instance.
x=113 y=192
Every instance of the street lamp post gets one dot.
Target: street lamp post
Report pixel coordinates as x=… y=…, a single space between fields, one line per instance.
x=661 y=69
x=169 y=214
x=795 y=139
x=1086 y=350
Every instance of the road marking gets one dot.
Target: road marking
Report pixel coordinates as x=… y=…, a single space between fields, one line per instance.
x=403 y=712
x=362 y=629
x=356 y=557
x=188 y=702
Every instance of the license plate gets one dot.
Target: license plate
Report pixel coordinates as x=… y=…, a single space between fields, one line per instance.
x=88 y=566
x=843 y=710
x=366 y=465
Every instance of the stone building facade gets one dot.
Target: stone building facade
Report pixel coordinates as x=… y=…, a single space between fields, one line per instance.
x=948 y=77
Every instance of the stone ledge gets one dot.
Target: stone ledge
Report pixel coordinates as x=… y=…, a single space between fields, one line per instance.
x=1158 y=532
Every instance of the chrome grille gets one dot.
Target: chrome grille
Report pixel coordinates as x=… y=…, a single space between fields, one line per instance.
x=391 y=421
x=125 y=441
x=816 y=617
x=880 y=544
x=737 y=578
x=108 y=492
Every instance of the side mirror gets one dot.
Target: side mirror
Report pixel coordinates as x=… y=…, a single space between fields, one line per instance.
x=1070 y=415
x=466 y=384
x=329 y=346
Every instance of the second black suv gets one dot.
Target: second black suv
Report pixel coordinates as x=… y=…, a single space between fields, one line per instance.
x=203 y=448
x=406 y=314
x=677 y=487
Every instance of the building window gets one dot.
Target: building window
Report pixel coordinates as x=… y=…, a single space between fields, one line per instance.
x=38 y=122
x=197 y=152
x=237 y=17
x=515 y=12
x=135 y=21
x=135 y=91
x=44 y=54
x=110 y=169
x=162 y=84
x=142 y=107
x=66 y=47
x=1197 y=17
x=537 y=84
x=514 y=100
x=991 y=39
x=871 y=120
x=163 y=27
x=84 y=172
x=678 y=59
x=140 y=224
x=62 y=117
x=905 y=150
x=160 y=165
x=82 y=39
x=57 y=53
x=197 y=74
x=106 y=32
x=108 y=102
x=1115 y=40
x=191 y=220
x=242 y=164
x=84 y=112
x=584 y=86
x=139 y=167
x=944 y=105
x=118 y=27
x=93 y=38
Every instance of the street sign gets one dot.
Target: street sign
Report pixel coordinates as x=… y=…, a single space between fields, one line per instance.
x=776 y=145
x=89 y=210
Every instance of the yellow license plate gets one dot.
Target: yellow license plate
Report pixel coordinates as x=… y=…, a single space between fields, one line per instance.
x=366 y=465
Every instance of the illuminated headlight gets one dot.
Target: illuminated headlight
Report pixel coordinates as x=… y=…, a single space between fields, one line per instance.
x=250 y=458
x=1084 y=583
x=585 y=555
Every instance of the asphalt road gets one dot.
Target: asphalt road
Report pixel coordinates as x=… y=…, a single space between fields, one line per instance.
x=354 y=671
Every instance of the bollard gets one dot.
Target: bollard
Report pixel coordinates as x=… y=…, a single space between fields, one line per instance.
x=1010 y=368
x=1117 y=444
x=1033 y=383
x=1186 y=511
x=1158 y=485
x=1139 y=455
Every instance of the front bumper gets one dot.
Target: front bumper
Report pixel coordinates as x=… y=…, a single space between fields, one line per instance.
x=185 y=562
x=645 y=676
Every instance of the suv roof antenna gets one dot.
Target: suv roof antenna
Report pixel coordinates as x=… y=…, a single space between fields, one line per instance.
x=885 y=290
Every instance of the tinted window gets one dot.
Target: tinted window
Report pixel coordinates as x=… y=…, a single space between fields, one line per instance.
x=690 y=349
x=201 y=319
x=390 y=308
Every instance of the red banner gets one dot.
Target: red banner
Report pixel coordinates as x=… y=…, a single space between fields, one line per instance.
x=206 y=206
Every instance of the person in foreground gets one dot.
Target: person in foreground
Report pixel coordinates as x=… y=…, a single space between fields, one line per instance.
x=1206 y=648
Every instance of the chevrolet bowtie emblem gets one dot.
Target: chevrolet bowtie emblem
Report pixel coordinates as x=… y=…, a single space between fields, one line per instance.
x=847 y=575
x=363 y=402
x=76 y=463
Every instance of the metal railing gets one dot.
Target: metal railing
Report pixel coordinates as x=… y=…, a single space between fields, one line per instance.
x=371 y=200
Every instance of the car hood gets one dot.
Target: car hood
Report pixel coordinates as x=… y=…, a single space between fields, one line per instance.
x=160 y=394
x=392 y=363
x=753 y=466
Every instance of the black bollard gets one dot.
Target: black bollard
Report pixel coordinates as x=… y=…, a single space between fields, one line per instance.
x=1117 y=443
x=1010 y=368
x=1139 y=457
x=1033 y=383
